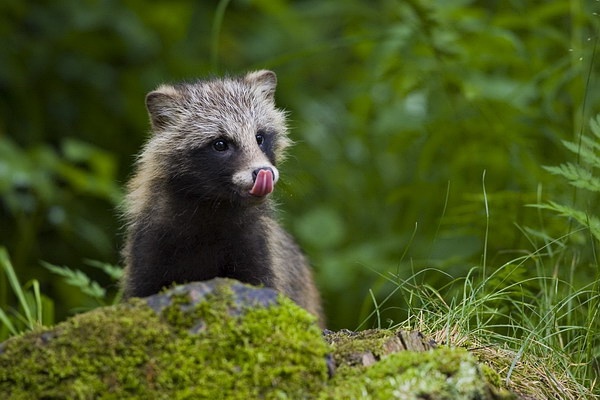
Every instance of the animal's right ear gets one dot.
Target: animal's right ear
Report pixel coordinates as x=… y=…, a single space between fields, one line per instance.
x=163 y=107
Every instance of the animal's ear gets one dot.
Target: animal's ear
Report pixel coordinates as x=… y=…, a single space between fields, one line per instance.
x=264 y=80
x=163 y=107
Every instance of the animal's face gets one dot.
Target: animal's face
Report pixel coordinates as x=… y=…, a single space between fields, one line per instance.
x=221 y=139
x=229 y=166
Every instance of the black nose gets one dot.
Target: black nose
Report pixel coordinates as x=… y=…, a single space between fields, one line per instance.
x=255 y=172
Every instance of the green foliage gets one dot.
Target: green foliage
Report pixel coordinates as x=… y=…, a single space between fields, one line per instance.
x=114 y=272
x=78 y=279
x=423 y=99
x=589 y=221
x=397 y=108
x=34 y=308
x=534 y=305
x=581 y=175
x=577 y=176
x=82 y=281
x=48 y=199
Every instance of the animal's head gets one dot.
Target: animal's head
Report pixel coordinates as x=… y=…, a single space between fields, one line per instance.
x=218 y=139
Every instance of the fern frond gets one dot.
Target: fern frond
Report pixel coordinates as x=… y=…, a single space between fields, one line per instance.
x=586 y=150
x=595 y=126
x=591 y=143
x=114 y=272
x=577 y=176
x=79 y=280
x=589 y=221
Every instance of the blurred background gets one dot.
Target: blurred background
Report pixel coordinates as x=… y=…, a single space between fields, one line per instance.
x=406 y=115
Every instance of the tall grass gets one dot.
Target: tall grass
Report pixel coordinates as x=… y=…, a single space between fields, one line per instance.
x=541 y=334
x=34 y=310
x=531 y=318
x=32 y=306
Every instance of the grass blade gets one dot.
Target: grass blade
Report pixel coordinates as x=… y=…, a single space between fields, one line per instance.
x=14 y=283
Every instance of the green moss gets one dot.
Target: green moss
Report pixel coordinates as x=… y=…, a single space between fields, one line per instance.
x=129 y=351
x=210 y=343
x=491 y=376
x=443 y=373
x=348 y=346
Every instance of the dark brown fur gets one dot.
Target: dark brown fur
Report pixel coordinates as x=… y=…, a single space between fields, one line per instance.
x=189 y=214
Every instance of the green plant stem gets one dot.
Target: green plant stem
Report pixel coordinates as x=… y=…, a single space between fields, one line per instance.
x=487 y=227
x=216 y=31
x=14 y=283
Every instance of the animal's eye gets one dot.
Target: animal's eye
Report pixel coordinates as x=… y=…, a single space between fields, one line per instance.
x=220 y=145
x=260 y=138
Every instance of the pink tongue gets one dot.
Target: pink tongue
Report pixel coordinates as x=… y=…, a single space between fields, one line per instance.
x=263 y=184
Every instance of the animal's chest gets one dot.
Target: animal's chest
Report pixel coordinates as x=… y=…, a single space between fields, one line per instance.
x=223 y=254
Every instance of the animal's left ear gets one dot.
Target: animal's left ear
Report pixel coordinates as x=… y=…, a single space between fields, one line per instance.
x=264 y=80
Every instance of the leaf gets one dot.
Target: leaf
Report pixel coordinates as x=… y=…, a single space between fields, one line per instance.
x=589 y=221
x=595 y=126
x=16 y=286
x=78 y=279
x=585 y=150
x=6 y=322
x=30 y=303
x=577 y=176
x=115 y=272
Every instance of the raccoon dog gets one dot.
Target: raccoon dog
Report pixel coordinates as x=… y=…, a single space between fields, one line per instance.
x=199 y=206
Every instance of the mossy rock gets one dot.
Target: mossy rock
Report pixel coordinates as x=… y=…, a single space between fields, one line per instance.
x=224 y=340
x=388 y=364
x=216 y=339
